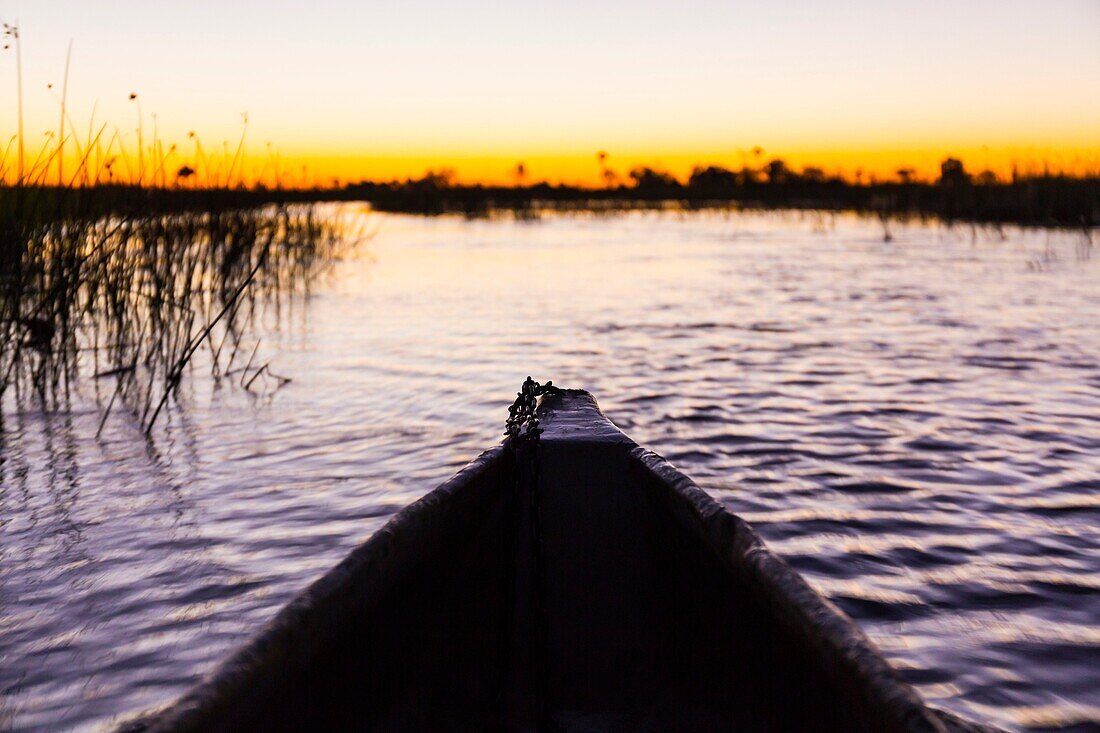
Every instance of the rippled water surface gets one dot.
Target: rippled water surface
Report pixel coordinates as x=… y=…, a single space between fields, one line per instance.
x=914 y=425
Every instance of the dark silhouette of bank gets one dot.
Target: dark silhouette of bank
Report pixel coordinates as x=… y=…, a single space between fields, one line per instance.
x=1045 y=199
x=956 y=195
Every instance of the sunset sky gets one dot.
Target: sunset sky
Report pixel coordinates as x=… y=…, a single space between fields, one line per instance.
x=388 y=89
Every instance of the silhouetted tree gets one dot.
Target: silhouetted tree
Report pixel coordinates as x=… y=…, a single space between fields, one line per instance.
x=712 y=178
x=442 y=178
x=778 y=172
x=813 y=175
x=987 y=178
x=652 y=180
x=610 y=177
x=748 y=175
x=952 y=173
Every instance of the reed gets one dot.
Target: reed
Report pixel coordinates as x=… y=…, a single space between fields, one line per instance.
x=134 y=299
x=122 y=284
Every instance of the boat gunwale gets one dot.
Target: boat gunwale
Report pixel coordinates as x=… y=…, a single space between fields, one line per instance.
x=848 y=654
x=799 y=608
x=308 y=614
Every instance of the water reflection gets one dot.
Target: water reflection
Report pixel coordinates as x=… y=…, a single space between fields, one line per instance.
x=912 y=424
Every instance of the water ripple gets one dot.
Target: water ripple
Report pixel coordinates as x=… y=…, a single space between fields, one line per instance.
x=914 y=425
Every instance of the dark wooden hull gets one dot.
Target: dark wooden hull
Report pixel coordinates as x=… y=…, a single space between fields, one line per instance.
x=638 y=603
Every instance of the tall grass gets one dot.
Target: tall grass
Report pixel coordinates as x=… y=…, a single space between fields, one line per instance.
x=118 y=289
x=133 y=299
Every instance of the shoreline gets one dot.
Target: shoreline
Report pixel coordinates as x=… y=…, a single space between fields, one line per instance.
x=1045 y=202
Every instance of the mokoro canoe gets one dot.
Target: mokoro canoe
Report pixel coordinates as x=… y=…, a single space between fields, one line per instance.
x=601 y=590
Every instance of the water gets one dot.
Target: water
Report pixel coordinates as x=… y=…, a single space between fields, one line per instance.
x=914 y=425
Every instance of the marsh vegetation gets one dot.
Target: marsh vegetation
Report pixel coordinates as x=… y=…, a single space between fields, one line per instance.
x=128 y=301
x=121 y=287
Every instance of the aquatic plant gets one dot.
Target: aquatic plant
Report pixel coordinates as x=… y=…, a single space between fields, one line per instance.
x=128 y=284
x=133 y=299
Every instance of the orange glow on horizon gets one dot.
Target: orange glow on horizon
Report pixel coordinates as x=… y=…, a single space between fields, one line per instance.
x=353 y=91
x=271 y=167
x=585 y=170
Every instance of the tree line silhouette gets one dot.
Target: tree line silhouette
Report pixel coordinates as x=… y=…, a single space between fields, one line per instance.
x=1036 y=199
x=1043 y=199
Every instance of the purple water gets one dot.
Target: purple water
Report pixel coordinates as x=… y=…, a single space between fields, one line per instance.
x=914 y=425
